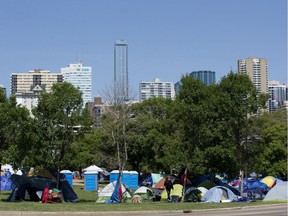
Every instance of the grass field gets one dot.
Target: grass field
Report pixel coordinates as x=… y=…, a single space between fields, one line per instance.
x=87 y=204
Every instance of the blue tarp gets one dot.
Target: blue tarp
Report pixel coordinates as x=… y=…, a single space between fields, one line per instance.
x=116 y=196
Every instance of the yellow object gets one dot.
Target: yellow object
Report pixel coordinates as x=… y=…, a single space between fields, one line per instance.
x=178 y=189
x=269 y=181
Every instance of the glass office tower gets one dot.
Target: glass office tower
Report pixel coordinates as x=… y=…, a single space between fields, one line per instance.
x=79 y=76
x=207 y=77
x=121 y=69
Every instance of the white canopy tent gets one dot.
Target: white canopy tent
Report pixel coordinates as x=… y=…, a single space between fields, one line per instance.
x=93 y=168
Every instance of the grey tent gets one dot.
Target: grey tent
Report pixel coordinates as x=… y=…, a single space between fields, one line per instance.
x=218 y=194
x=278 y=192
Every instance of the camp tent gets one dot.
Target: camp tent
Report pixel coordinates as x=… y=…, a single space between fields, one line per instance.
x=33 y=186
x=106 y=193
x=278 y=192
x=176 y=191
x=192 y=194
x=144 y=192
x=203 y=190
x=218 y=194
x=270 y=181
x=5 y=183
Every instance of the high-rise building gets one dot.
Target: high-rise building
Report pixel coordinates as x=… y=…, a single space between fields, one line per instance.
x=257 y=70
x=26 y=82
x=207 y=77
x=277 y=96
x=80 y=77
x=121 y=84
x=27 y=86
x=156 y=88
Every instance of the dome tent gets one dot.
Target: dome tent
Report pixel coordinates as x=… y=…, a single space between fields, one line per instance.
x=218 y=194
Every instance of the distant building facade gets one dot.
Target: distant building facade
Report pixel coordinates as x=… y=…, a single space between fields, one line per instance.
x=26 y=82
x=27 y=86
x=121 y=84
x=79 y=76
x=207 y=77
x=156 y=88
x=96 y=109
x=277 y=96
x=257 y=70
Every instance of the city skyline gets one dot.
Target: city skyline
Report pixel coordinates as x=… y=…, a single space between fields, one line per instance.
x=166 y=38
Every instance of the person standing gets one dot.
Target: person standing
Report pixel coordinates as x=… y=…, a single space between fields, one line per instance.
x=169 y=185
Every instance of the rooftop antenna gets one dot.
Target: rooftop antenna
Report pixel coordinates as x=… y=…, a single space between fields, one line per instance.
x=76 y=58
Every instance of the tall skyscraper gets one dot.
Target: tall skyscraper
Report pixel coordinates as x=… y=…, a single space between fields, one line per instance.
x=207 y=77
x=121 y=84
x=156 y=88
x=81 y=77
x=27 y=86
x=277 y=96
x=257 y=70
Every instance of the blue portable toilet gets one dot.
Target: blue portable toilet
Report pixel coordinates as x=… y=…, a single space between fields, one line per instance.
x=133 y=180
x=126 y=178
x=130 y=178
x=91 y=180
x=114 y=175
x=69 y=176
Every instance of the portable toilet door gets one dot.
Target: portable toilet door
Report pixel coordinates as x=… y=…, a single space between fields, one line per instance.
x=133 y=179
x=68 y=176
x=126 y=178
x=114 y=175
x=91 y=181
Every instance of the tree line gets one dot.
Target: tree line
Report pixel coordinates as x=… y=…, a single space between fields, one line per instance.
x=220 y=128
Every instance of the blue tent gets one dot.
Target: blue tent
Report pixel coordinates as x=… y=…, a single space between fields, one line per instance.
x=218 y=194
x=5 y=183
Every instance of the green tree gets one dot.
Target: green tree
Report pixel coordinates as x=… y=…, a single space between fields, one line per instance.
x=238 y=101
x=269 y=131
x=93 y=148
x=59 y=119
x=190 y=113
x=151 y=131
x=15 y=132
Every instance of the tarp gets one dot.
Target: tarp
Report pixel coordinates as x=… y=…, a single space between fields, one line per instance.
x=278 y=192
x=116 y=196
x=218 y=194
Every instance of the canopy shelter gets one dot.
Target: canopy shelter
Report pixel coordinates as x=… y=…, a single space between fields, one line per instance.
x=93 y=168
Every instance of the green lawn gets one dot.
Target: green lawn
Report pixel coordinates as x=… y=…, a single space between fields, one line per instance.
x=88 y=204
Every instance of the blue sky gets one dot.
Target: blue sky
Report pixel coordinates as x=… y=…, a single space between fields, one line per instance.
x=166 y=38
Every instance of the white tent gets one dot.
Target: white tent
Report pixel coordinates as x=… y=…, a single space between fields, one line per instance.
x=93 y=168
x=107 y=191
x=278 y=192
